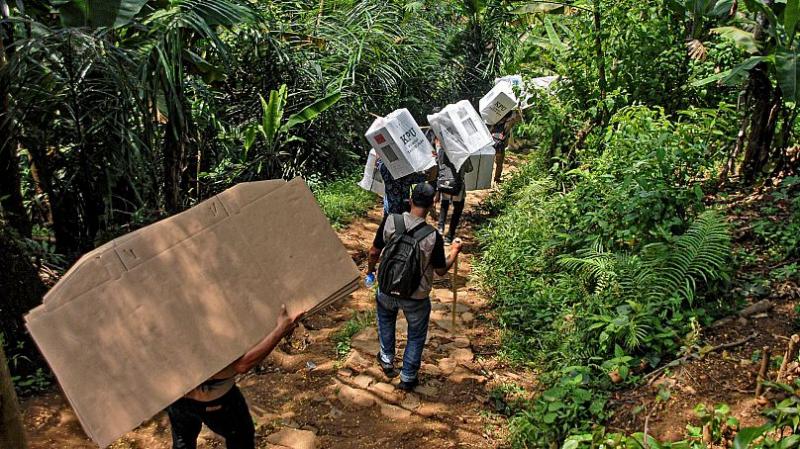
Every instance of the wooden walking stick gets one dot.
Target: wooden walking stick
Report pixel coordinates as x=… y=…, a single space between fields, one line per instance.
x=455 y=287
x=789 y=356
x=763 y=371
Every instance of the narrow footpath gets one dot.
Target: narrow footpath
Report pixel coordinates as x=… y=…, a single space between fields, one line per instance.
x=307 y=396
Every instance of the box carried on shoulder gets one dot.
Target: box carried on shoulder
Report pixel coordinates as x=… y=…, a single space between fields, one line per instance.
x=498 y=102
x=460 y=130
x=401 y=144
x=140 y=321
x=372 y=180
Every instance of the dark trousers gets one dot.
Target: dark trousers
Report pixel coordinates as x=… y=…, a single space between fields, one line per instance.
x=458 y=208
x=227 y=416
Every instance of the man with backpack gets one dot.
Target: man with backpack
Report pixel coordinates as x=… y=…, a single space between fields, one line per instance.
x=410 y=251
x=451 y=187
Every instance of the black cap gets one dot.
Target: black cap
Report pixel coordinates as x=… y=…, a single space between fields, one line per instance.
x=423 y=194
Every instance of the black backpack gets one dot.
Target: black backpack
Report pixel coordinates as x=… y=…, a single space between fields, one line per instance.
x=449 y=180
x=400 y=271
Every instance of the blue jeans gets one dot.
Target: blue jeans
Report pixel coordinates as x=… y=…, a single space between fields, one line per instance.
x=418 y=314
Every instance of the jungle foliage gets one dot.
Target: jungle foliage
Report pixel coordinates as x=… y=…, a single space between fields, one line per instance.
x=606 y=255
x=116 y=114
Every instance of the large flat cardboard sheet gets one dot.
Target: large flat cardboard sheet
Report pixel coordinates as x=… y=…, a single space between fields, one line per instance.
x=140 y=321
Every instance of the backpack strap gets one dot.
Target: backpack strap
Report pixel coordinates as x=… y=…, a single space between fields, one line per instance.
x=421 y=231
x=399 y=224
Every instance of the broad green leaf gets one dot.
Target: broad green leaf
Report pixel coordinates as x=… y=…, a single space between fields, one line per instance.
x=574 y=441
x=743 y=39
x=722 y=8
x=97 y=13
x=539 y=8
x=734 y=75
x=272 y=113
x=311 y=111
x=789 y=442
x=762 y=7
x=787 y=72
x=790 y=16
x=747 y=435
x=552 y=35
x=249 y=137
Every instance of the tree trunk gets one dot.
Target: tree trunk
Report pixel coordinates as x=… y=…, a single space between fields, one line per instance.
x=63 y=205
x=12 y=208
x=22 y=290
x=779 y=154
x=174 y=157
x=601 y=59
x=763 y=121
x=12 y=431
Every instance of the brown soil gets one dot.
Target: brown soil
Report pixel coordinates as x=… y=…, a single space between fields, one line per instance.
x=346 y=402
x=725 y=376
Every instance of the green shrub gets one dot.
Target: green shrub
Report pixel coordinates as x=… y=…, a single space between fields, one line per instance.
x=602 y=270
x=354 y=325
x=779 y=432
x=343 y=200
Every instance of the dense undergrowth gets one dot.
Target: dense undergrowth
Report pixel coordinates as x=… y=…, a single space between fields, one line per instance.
x=611 y=247
x=600 y=272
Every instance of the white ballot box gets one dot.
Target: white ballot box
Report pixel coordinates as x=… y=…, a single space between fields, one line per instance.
x=514 y=80
x=372 y=180
x=461 y=131
x=496 y=104
x=401 y=144
x=478 y=171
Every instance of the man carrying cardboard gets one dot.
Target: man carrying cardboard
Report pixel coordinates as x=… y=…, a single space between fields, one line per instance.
x=410 y=251
x=219 y=404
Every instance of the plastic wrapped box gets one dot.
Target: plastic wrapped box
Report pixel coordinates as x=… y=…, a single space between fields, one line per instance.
x=401 y=144
x=372 y=180
x=461 y=131
x=478 y=171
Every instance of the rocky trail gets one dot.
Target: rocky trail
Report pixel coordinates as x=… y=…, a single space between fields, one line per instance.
x=307 y=394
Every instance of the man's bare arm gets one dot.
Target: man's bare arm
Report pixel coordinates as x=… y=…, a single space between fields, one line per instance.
x=373 y=258
x=455 y=249
x=260 y=351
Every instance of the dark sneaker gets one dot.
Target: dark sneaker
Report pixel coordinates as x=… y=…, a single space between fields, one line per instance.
x=408 y=386
x=388 y=368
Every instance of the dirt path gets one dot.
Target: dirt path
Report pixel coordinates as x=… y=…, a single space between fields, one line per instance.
x=304 y=393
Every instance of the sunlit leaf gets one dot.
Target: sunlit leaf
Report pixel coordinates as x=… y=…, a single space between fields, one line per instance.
x=743 y=39
x=311 y=111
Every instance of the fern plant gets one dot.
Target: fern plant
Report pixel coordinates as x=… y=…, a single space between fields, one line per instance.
x=701 y=254
x=635 y=293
